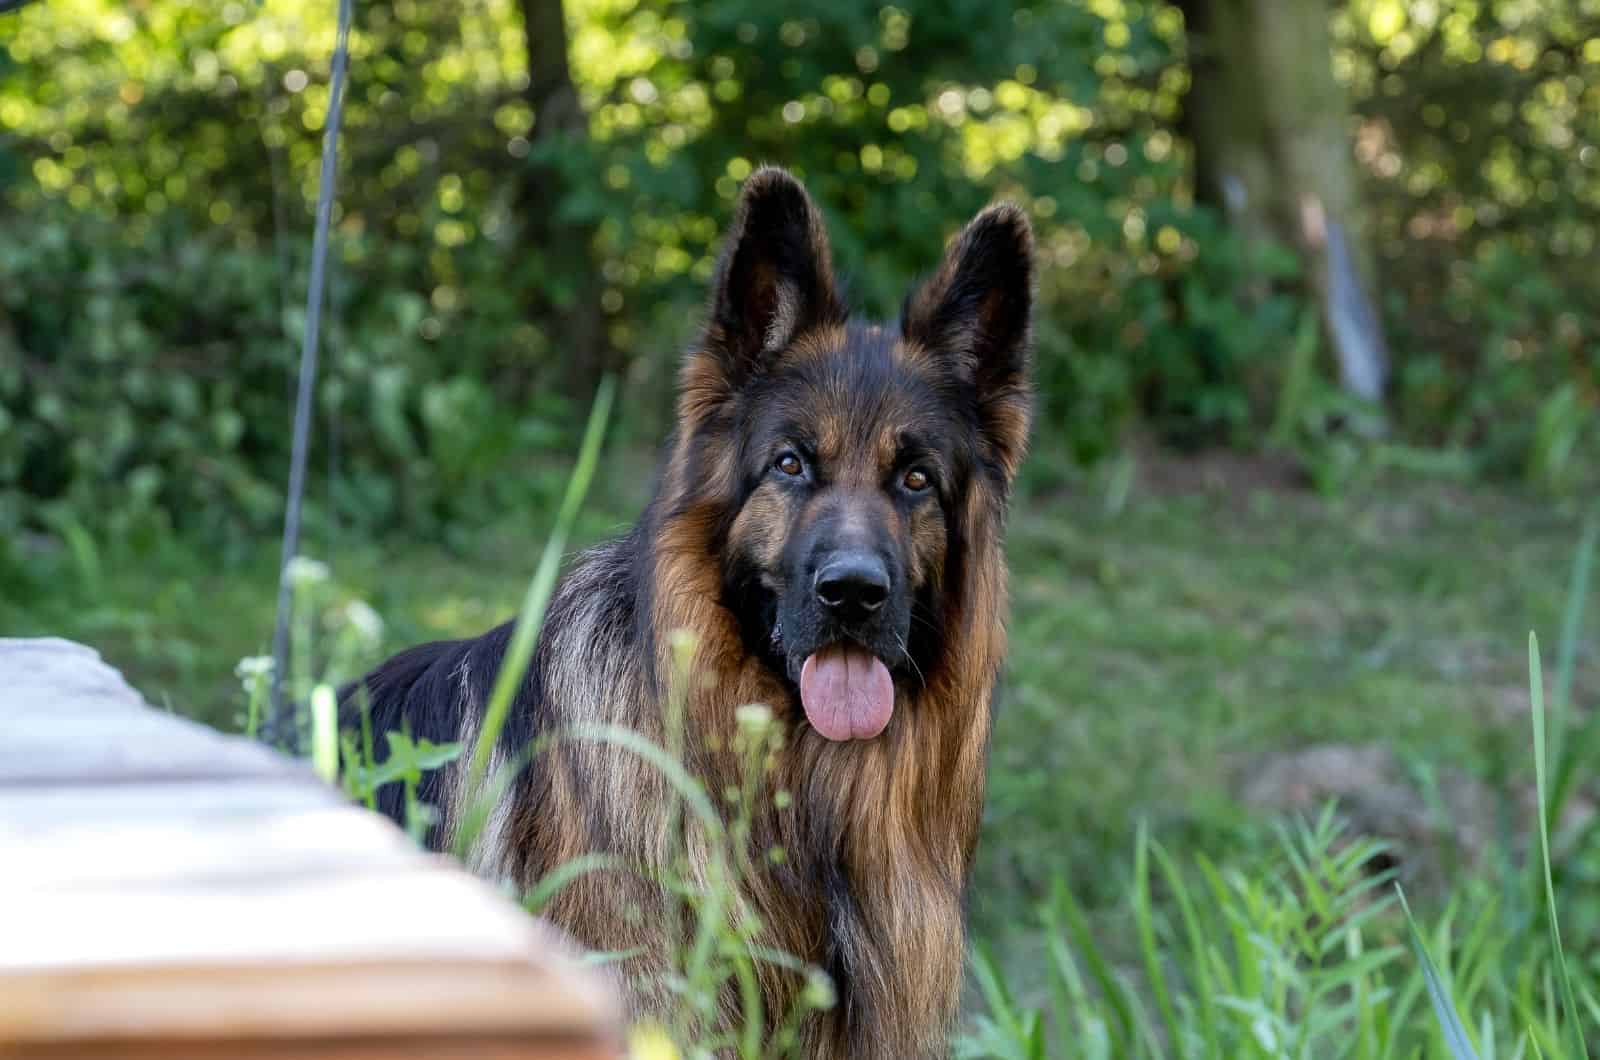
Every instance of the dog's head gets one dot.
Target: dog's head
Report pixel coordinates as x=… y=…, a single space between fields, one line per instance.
x=845 y=456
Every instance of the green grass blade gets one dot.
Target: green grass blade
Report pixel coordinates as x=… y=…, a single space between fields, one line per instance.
x=1144 y=920
x=1455 y=1035
x=754 y=1013
x=1568 y=757
x=672 y=770
x=1592 y=1005
x=531 y=617
x=1122 y=1027
x=1204 y=996
x=325 y=734
x=995 y=995
x=1572 y=629
x=370 y=794
x=1084 y=1033
x=551 y=883
x=1569 y=1003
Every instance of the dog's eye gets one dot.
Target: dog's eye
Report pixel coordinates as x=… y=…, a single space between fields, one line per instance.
x=790 y=464
x=917 y=480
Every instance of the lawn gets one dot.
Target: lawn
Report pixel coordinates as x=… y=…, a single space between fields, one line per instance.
x=1167 y=641
x=1159 y=653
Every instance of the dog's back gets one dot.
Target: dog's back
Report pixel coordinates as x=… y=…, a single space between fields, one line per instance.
x=583 y=669
x=417 y=692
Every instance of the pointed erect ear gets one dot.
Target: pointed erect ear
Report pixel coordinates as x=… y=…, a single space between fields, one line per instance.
x=775 y=278
x=974 y=314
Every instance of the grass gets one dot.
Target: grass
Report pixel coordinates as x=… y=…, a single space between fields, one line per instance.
x=1170 y=626
x=1157 y=653
x=1280 y=961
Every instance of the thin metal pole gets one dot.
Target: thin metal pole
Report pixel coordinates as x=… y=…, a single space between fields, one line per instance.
x=279 y=729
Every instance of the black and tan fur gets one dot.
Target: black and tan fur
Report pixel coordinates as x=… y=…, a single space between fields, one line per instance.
x=880 y=833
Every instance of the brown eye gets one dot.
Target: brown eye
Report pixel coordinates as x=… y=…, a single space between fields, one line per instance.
x=790 y=464
x=916 y=480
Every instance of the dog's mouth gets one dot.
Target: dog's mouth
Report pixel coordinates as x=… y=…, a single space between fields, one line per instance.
x=846 y=687
x=846 y=691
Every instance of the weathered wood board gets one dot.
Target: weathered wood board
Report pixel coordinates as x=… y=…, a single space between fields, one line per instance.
x=167 y=891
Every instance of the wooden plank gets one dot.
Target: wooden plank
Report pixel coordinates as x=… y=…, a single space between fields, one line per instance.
x=37 y=749
x=433 y=1047
x=192 y=834
x=424 y=911
x=66 y=716
x=35 y=810
x=298 y=1001
x=58 y=678
x=425 y=950
x=171 y=892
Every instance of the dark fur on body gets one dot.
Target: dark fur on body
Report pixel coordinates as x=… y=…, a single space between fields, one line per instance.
x=880 y=833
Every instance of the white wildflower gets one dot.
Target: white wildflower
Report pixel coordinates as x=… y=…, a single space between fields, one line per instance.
x=364 y=620
x=304 y=571
x=252 y=670
x=753 y=718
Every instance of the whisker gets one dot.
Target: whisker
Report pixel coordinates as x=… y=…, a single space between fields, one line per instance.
x=911 y=660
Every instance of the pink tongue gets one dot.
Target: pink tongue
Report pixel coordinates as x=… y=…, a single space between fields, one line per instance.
x=847 y=693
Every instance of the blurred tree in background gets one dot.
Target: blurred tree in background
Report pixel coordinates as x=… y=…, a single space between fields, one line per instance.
x=530 y=194
x=1267 y=122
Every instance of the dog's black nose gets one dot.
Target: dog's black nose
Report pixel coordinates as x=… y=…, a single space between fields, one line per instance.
x=854 y=581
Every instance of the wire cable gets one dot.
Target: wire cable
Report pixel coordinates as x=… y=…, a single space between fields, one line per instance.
x=278 y=728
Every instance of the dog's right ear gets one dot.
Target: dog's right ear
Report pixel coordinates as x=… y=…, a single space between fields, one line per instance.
x=975 y=313
x=774 y=281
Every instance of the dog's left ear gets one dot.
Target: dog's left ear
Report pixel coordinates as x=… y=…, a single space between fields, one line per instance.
x=975 y=313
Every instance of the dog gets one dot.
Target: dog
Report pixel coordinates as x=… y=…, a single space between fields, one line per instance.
x=827 y=526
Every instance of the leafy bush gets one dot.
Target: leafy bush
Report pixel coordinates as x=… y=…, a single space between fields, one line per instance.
x=1478 y=137
x=152 y=389
x=155 y=239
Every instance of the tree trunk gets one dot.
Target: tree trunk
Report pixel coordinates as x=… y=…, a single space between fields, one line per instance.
x=1269 y=125
x=568 y=305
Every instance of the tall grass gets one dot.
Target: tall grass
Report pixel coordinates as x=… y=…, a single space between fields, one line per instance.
x=1302 y=956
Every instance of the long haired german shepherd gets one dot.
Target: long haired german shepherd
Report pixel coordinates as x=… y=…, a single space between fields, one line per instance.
x=827 y=524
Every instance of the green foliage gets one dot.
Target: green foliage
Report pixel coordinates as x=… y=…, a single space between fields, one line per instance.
x=1444 y=1009
x=1481 y=138
x=1572 y=1037
x=404 y=763
x=149 y=392
x=1271 y=961
x=1300 y=955
x=157 y=168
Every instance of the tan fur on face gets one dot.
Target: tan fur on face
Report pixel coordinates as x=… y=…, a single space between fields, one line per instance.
x=759 y=530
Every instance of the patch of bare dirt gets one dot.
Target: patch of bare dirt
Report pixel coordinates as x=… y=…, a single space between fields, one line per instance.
x=1377 y=798
x=1456 y=827
x=1219 y=471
